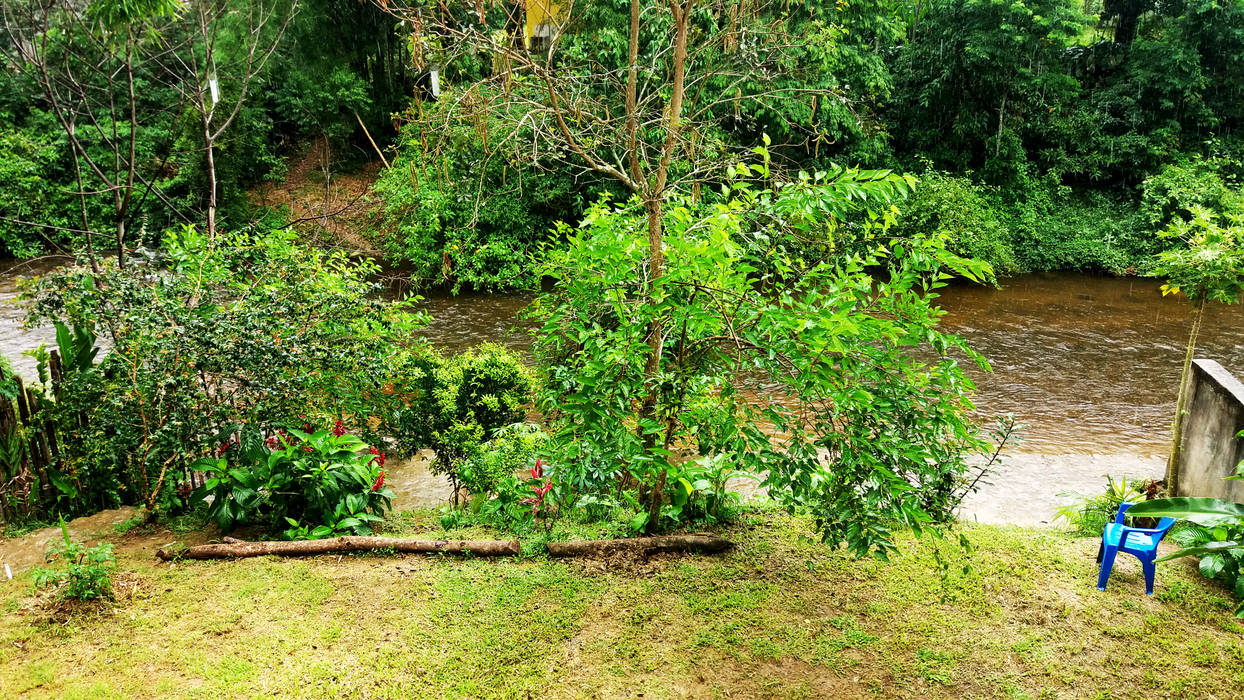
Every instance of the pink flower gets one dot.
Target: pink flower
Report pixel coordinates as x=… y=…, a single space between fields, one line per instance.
x=339 y=429
x=538 y=470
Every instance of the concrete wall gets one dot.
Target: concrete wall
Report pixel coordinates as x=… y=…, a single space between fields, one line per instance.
x=1211 y=449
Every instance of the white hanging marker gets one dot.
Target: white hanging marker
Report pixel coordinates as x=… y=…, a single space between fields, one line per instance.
x=7 y=571
x=215 y=88
x=436 y=83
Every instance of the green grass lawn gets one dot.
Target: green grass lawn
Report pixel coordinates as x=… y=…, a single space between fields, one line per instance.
x=781 y=616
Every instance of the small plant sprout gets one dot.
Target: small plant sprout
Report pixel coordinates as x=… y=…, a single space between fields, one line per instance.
x=77 y=572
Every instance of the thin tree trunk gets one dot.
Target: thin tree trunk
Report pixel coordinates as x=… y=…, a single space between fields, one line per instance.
x=997 y=141
x=211 y=181
x=372 y=141
x=1181 y=404
x=654 y=206
x=86 y=224
x=127 y=195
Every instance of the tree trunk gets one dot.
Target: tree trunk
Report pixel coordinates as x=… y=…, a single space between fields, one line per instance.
x=1125 y=29
x=1181 y=404
x=211 y=182
x=654 y=206
x=238 y=548
x=640 y=545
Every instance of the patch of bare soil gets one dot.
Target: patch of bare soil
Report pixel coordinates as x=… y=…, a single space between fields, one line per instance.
x=333 y=208
x=21 y=553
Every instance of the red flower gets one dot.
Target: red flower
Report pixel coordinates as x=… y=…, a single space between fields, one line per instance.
x=339 y=429
x=223 y=448
x=379 y=482
x=271 y=442
x=378 y=459
x=542 y=490
x=538 y=470
x=307 y=448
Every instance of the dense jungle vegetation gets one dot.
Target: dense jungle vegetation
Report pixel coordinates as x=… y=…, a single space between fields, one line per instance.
x=1047 y=134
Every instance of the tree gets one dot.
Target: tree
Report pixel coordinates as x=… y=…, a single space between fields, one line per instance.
x=979 y=75
x=640 y=116
x=88 y=64
x=803 y=368
x=223 y=50
x=1209 y=267
x=117 y=76
x=1128 y=13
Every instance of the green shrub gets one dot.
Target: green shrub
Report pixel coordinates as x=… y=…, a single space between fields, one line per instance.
x=873 y=431
x=250 y=329
x=512 y=449
x=1051 y=227
x=83 y=574
x=945 y=203
x=1179 y=187
x=1212 y=531
x=1089 y=515
x=475 y=395
x=321 y=484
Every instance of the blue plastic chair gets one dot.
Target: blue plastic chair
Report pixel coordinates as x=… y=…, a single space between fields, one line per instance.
x=1140 y=542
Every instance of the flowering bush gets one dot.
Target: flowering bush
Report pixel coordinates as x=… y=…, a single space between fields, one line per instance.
x=236 y=328
x=320 y=483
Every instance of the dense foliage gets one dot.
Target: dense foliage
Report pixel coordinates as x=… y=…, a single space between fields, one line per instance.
x=320 y=484
x=1040 y=122
x=105 y=115
x=869 y=401
x=241 y=329
x=458 y=212
x=1042 y=119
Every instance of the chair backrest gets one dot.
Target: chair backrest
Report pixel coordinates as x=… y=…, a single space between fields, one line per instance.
x=1163 y=525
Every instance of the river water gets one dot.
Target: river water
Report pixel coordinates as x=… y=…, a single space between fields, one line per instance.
x=1089 y=365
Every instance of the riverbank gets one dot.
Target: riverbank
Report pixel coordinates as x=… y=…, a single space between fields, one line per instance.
x=781 y=616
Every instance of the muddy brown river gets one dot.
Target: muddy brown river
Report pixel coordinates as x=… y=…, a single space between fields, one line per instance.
x=1090 y=365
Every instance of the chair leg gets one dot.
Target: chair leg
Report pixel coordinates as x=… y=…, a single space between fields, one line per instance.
x=1107 y=563
x=1101 y=547
x=1148 y=566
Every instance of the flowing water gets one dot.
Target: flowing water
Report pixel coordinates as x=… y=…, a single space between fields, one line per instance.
x=1089 y=365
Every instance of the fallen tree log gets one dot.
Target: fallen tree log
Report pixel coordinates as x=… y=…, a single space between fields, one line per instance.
x=238 y=548
x=640 y=545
